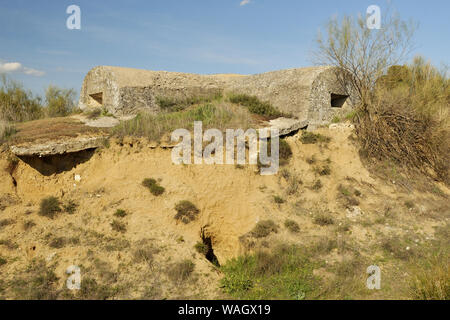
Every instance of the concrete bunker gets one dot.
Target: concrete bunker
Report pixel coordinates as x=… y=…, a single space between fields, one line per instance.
x=312 y=94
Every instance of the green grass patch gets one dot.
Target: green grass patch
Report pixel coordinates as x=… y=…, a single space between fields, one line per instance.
x=284 y=273
x=255 y=105
x=154 y=127
x=120 y=213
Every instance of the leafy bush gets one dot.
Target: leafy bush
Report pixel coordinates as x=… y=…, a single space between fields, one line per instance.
x=49 y=207
x=255 y=106
x=18 y=104
x=278 y=199
x=408 y=113
x=263 y=228
x=201 y=248
x=153 y=186
x=323 y=220
x=60 y=102
x=292 y=226
x=186 y=211
x=120 y=213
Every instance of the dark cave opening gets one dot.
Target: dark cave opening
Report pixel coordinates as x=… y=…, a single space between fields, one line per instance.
x=55 y=164
x=210 y=256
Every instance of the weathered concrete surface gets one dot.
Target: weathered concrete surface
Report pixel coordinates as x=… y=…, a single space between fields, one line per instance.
x=60 y=146
x=100 y=122
x=306 y=93
x=125 y=91
x=285 y=126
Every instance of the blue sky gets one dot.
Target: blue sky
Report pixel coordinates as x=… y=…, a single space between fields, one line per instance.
x=199 y=36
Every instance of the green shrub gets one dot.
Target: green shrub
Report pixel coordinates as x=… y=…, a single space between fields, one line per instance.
x=18 y=104
x=255 y=106
x=3 y=261
x=278 y=199
x=312 y=138
x=263 y=228
x=120 y=213
x=154 y=127
x=60 y=102
x=186 y=211
x=153 y=186
x=201 y=248
x=336 y=119
x=323 y=220
x=432 y=281
x=50 y=207
x=292 y=226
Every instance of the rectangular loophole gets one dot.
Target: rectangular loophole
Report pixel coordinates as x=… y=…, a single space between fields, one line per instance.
x=338 y=100
x=97 y=97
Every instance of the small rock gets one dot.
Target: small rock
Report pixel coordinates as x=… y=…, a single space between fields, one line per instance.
x=77 y=178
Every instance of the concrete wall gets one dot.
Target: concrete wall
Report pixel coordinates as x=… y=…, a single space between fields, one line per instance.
x=305 y=92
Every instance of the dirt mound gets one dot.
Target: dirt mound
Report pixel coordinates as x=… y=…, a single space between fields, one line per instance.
x=323 y=181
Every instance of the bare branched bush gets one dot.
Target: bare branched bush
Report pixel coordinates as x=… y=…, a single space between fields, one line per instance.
x=403 y=110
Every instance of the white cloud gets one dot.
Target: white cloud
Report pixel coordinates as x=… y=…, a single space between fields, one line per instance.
x=244 y=2
x=9 y=67
x=33 y=72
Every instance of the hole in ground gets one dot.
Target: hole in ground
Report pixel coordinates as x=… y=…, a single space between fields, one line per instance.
x=210 y=256
x=56 y=164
